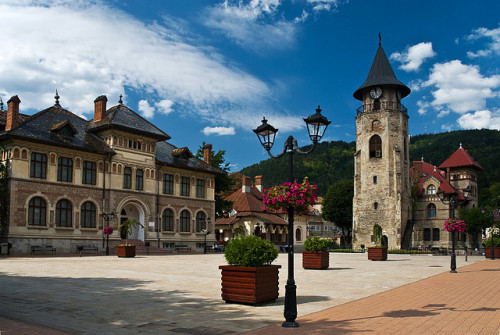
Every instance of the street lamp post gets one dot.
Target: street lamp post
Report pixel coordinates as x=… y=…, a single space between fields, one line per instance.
x=107 y=217
x=316 y=127
x=490 y=215
x=453 y=202
x=205 y=232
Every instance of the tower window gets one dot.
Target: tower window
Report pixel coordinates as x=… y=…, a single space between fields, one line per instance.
x=375 y=147
x=431 y=189
x=375 y=179
x=375 y=205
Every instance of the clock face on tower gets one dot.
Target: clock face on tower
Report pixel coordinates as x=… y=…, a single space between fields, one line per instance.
x=376 y=92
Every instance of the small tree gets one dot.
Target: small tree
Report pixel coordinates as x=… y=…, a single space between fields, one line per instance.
x=127 y=227
x=337 y=205
x=476 y=223
x=377 y=235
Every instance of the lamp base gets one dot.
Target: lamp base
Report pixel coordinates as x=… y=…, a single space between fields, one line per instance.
x=290 y=324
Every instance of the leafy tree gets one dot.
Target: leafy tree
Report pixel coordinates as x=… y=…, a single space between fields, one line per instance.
x=337 y=204
x=475 y=222
x=223 y=182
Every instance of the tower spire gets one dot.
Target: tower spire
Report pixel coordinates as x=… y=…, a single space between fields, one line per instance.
x=379 y=39
x=57 y=99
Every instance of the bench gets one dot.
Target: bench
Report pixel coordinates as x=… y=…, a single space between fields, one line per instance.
x=81 y=248
x=43 y=247
x=179 y=247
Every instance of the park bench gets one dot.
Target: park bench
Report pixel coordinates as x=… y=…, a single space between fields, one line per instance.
x=43 y=247
x=81 y=248
x=181 y=247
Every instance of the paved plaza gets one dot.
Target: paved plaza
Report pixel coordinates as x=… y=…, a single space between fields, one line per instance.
x=180 y=294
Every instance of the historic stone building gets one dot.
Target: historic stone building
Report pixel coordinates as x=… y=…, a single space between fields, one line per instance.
x=381 y=162
x=382 y=180
x=64 y=172
x=452 y=177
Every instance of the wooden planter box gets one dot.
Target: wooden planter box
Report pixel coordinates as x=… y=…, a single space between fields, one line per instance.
x=125 y=250
x=315 y=260
x=377 y=253
x=496 y=252
x=249 y=285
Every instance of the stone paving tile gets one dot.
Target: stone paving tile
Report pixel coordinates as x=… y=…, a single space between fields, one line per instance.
x=466 y=303
x=180 y=294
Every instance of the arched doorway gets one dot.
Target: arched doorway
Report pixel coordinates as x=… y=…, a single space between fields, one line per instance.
x=134 y=211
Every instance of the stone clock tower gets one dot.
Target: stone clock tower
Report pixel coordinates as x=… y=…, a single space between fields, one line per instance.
x=381 y=162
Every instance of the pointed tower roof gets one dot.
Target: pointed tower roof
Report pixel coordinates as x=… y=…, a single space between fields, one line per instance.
x=460 y=158
x=381 y=73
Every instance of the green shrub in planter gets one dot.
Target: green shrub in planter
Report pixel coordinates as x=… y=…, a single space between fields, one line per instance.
x=316 y=244
x=496 y=242
x=377 y=235
x=251 y=251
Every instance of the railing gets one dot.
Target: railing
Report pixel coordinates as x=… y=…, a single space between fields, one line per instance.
x=374 y=107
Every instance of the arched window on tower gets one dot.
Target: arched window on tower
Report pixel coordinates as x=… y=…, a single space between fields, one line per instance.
x=431 y=211
x=375 y=147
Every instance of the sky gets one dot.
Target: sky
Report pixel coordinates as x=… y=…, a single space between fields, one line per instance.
x=210 y=70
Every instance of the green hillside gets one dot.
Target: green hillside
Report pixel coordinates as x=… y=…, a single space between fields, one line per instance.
x=333 y=161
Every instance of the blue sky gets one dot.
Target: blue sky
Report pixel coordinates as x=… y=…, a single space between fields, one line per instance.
x=210 y=70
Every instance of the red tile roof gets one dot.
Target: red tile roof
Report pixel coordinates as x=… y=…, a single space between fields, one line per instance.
x=425 y=171
x=460 y=158
x=250 y=204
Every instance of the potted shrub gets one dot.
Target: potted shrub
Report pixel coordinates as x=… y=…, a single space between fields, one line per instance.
x=250 y=278
x=125 y=229
x=492 y=246
x=378 y=252
x=316 y=254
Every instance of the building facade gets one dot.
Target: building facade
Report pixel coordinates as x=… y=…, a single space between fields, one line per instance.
x=456 y=174
x=64 y=173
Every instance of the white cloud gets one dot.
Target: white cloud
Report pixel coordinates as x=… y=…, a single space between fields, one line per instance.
x=252 y=25
x=443 y=113
x=85 y=49
x=493 y=46
x=480 y=119
x=423 y=106
x=414 y=56
x=164 y=106
x=326 y=5
x=218 y=131
x=146 y=109
x=459 y=87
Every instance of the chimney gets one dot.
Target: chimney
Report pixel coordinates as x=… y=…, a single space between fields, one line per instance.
x=258 y=182
x=12 y=113
x=207 y=154
x=100 y=108
x=245 y=188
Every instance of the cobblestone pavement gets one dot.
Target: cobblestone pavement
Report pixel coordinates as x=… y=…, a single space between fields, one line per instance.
x=180 y=294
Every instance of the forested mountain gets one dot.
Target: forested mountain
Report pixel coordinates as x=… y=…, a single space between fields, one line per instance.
x=333 y=161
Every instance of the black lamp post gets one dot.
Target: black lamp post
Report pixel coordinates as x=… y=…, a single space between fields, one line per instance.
x=107 y=217
x=453 y=202
x=490 y=215
x=316 y=127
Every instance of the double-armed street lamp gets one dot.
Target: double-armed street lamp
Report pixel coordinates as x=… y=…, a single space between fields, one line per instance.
x=107 y=217
x=316 y=127
x=453 y=202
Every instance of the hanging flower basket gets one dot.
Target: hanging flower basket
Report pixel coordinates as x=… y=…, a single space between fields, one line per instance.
x=297 y=195
x=452 y=225
x=107 y=230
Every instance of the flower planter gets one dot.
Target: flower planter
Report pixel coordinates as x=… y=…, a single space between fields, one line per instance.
x=249 y=285
x=496 y=252
x=315 y=260
x=377 y=253
x=125 y=250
